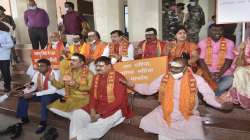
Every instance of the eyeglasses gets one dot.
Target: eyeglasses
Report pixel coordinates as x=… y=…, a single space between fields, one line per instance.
x=74 y=60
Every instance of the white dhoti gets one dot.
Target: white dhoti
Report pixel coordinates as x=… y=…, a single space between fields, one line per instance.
x=180 y=128
x=82 y=128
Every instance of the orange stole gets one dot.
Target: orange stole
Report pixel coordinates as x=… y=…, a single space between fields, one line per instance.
x=85 y=72
x=177 y=51
x=222 y=52
x=89 y=53
x=122 y=49
x=207 y=78
x=43 y=85
x=159 y=50
x=187 y=97
x=110 y=86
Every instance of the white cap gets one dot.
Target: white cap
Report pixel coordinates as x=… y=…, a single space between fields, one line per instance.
x=175 y=64
x=91 y=33
x=149 y=32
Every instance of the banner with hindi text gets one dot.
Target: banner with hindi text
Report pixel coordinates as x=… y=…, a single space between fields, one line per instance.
x=142 y=71
x=52 y=55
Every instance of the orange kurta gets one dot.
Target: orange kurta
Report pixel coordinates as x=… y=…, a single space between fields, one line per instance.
x=93 y=54
x=119 y=49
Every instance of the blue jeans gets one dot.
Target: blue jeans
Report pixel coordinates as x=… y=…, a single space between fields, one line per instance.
x=224 y=83
x=23 y=105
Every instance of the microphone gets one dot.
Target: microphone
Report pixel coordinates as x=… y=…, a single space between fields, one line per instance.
x=25 y=85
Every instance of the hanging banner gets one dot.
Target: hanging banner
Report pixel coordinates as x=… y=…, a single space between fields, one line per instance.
x=52 y=55
x=232 y=11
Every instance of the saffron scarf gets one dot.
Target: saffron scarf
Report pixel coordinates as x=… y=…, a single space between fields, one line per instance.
x=110 y=86
x=187 y=99
x=43 y=85
x=222 y=52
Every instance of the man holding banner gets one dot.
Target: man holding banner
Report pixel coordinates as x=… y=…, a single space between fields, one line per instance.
x=151 y=46
x=177 y=117
x=53 y=51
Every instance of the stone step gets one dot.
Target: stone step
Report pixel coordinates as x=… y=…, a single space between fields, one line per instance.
x=215 y=133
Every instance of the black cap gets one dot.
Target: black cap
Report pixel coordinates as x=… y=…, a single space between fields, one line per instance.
x=4 y=27
x=2 y=8
x=180 y=4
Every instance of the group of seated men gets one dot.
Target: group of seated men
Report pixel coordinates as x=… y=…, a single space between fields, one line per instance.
x=89 y=92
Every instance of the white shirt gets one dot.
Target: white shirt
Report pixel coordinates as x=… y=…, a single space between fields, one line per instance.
x=51 y=89
x=6 y=44
x=129 y=57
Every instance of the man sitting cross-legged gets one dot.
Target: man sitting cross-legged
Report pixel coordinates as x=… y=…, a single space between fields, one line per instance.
x=108 y=105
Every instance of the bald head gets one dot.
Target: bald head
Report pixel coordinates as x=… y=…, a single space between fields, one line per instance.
x=54 y=37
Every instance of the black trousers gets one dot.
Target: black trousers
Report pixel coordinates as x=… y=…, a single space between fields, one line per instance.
x=5 y=70
x=38 y=36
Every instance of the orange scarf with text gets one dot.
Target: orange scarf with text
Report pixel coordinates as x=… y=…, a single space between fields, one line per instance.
x=110 y=86
x=158 y=48
x=121 y=48
x=187 y=99
x=222 y=52
x=43 y=85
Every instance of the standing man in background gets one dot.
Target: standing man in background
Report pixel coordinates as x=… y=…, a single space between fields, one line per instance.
x=194 y=21
x=9 y=21
x=72 y=21
x=37 y=21
x=6 y=44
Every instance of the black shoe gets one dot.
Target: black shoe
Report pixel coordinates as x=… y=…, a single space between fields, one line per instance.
x=41 y=129
x=9 y=130
x=18 y=131
x=25 y=120
x=50 y=134
x=7 y=90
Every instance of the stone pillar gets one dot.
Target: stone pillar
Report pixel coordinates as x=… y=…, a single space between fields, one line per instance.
x=144 y=14
x=108 y=16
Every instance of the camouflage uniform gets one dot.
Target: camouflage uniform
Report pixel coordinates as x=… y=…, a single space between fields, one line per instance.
x=171 y=25
x=194 y=21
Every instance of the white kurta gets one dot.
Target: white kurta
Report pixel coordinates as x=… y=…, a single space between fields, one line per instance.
x=129 y=57
x=180 y=129
x=82 y=128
